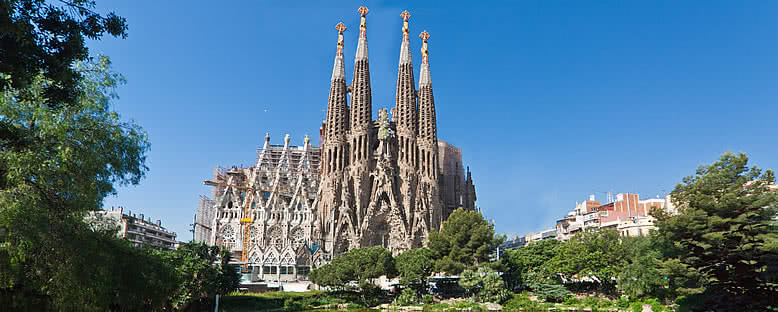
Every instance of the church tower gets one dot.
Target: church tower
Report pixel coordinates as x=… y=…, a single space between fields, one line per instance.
x=362 y=137
x=381 y=179
x=428 y=168
x=335 y=146
x=407 y=118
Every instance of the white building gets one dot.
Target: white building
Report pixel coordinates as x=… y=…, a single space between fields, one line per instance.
x=138 y=230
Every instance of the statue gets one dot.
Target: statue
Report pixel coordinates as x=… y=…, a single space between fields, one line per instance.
x=385 y=133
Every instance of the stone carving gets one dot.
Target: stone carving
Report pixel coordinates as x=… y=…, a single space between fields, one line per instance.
x=380 y=182
x=279 y=191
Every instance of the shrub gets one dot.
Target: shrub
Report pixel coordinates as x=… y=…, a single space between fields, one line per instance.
x=551 y=292
x=291 y=304
x=407 y=297
x=427 y=299
x=521 y=301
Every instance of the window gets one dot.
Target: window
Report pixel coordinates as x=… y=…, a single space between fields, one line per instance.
x=303 y=270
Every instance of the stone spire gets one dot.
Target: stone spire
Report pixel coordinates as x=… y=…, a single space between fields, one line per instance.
x=427 y=120
x=428 y=132
x=338 y=69
x=424 y=79
x=405 y=101
x=361 y=94
x=337 y=119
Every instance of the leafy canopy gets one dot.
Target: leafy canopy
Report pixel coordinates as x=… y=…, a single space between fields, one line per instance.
x=531 y=258
x=56 y=165
x=202 y=272
x=46 y=38
x=413 y=267
x=359 y=265
x=726 y=230
x=465 y=239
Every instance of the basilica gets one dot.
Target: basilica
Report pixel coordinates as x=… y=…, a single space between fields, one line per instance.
x=370 y=182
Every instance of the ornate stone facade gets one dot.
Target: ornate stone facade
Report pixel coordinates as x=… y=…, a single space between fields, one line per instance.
x=270 y=206
x=381 y=179
x=385 y=182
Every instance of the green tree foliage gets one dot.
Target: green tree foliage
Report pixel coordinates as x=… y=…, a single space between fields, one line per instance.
x=407 y=297
x=484 y=285
x=465 y=239
x=203 y=272
x=360 y=265
x=105 y=273
x=47 y=38
x=328 y=276
x=601 y=261
x=726 y=230
x=591 y=255
x=413 y=267
x=550 y=292
x=470 y=281
x=56 y=165
x=519 y=263
x=641 y=275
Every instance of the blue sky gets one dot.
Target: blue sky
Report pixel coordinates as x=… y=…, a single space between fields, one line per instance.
x=549 y=100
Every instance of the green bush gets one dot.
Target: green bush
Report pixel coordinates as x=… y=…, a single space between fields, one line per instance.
x=521 y=301
x=656 y=306
x=594 y=303
x=690 y=303
x=292 y=305
x=427 y=299
x=466 y=305
x=407 y=297
x=550 y=292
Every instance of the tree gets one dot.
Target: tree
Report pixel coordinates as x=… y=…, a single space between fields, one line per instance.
x=726 y=230
x=594 y=256
x=484 y=285
x=465 y=239
x=531 y=258
x=413 y=267
x=360 y=265
x=46 y=38
x=641 y=275
x=328 y=276
x=56 y=165
x=203 y=272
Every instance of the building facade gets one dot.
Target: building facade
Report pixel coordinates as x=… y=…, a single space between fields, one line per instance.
x=263 y=213
x=627 y=213
x=137 y=229
x=381 y=179
x=385 y=182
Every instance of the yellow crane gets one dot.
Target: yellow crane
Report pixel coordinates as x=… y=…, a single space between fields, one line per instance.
x=246 y=221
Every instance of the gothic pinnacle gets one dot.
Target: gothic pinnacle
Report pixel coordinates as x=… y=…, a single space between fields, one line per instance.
x=405 y=50
x=338 y=70
x=361 y=94
x=427 y=119
x=362 y=44
x=405 y=15
x=424 y=78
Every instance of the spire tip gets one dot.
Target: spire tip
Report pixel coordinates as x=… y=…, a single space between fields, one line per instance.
x=424 y=35
x=363 y=11
x=340 y=27
x=405 y=15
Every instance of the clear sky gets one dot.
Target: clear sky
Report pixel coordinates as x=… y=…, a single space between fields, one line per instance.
x=549 y=100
